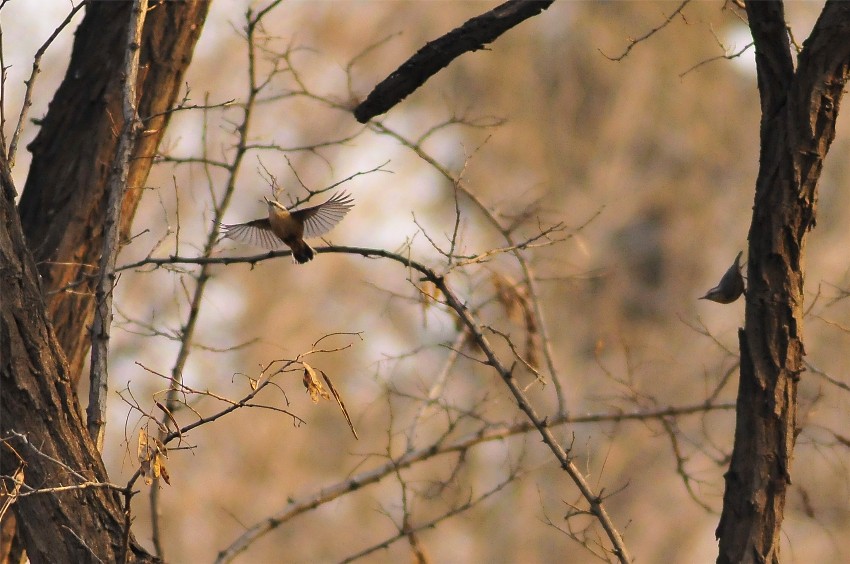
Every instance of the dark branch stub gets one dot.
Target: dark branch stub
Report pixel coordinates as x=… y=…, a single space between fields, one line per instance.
x=438 y=54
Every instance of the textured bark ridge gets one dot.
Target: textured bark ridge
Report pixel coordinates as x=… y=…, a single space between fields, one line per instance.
x=42 y=423
x=56 y=234
x=799 y=110
x=62 y=203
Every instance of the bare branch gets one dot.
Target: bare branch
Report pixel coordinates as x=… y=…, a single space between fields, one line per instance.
x=36 y=68
x=728 y=57
x=116 y=186
x=410 y=457
x=408 y=531
x=506 y=232
x=434 y=56
x=834 y=381
x=220 y=205
x=647 y=35
x=506 y=373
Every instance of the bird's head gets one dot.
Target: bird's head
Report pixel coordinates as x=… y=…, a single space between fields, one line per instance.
x=273 y=204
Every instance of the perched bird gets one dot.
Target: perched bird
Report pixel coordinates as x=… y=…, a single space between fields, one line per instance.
x=290 y=227
x=731 y=285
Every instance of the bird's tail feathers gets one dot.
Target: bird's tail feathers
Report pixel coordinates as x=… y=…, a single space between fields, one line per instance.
x=301 y=251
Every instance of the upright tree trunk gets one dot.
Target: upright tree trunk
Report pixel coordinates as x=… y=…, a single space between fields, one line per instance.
x=44 y=432
x=61 y=215
x=799 y=110
x=62 y=203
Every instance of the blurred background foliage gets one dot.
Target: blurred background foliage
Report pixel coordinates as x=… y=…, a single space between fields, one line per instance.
x=649 y=161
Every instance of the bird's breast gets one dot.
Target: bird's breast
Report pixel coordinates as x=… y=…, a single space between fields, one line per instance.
x=285 y=226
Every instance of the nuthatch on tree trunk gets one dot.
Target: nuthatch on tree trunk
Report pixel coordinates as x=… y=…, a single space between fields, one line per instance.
x=290 y=227
x=731 y=285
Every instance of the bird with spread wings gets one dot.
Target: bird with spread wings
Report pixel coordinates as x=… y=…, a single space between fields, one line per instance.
x=292 y=227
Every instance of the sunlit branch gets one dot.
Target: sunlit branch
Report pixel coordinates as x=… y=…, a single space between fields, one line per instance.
x=507 y=233
x=647 y=35
x=187 y=332
x=358 y=481
x=116 y=188
x=407 y=531
x=506 y=373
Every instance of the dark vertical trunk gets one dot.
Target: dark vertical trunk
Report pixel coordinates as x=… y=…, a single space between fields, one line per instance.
x=799 y=110
x=40 y=422
x=62 y=203
x=60 y=214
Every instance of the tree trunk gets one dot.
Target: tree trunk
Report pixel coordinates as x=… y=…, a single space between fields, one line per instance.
x=41 y=423
x=61 y=214
x=64 y=198
x=799 y=110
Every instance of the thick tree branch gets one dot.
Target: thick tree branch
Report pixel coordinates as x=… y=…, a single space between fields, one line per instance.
x=438 y=54
x=773 y=54
x=116 y=187
x=61 y=211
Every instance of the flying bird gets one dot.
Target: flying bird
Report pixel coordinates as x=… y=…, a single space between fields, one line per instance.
x=291 y=227
x=731 y=286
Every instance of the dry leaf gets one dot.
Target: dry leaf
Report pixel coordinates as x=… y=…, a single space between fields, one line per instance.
x=159 y=446
x=145 y=470
x=313 y=384
x=341 y=404
x=429 y=293
x=142 y=451
x=18 y=480
x=509 y=296
x=151 y=452
x=164 y=474
x=7 y=498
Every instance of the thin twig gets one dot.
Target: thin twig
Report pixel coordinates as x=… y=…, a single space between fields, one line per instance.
x=647 y=35
x=487 y=434
x=506 y=373
x=409 y=531
x=528 y=273
x=36 y=68
x=187 y=332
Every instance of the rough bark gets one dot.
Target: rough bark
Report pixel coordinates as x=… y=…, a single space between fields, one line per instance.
x=474 y=34
x=61 y=213
x=40 y=418
x=62 y=204
x=799 y=110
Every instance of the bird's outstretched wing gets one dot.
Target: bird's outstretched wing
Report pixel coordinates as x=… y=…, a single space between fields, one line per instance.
x=258 y=233
x=320 y=219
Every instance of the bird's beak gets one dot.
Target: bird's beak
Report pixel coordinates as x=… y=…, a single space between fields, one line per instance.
x=267 y=200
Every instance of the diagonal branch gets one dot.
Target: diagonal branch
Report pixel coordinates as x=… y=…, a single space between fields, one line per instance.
x=410 y=457
x=541 y=424
x=63 y=202
x=438 y=54
x=36 y=68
